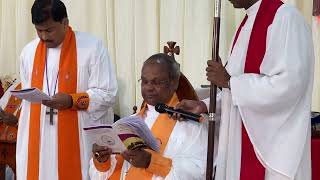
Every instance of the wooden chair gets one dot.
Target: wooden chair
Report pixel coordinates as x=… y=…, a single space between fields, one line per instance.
x=185 y=89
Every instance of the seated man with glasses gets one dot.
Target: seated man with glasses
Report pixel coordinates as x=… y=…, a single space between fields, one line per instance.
x=182 y=143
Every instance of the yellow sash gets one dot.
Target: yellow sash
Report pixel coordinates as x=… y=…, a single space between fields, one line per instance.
x=162 y=130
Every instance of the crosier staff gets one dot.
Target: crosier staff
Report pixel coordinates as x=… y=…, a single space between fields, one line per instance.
x=213 y=90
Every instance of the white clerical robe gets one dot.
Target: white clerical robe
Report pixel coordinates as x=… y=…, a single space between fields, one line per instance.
x=187 y=147
x=96 y=77
x=275 y=105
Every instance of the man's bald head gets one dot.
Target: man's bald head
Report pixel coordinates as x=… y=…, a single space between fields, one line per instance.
x=169 y=63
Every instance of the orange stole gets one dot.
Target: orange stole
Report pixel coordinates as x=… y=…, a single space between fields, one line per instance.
x=69 y=164
x=105 y=166
x=162 y=130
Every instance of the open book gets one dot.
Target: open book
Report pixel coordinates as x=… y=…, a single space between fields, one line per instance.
x=31 y=94
x=127 y=133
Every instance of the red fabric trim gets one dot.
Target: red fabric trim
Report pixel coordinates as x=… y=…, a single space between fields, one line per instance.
x=251 y=168
x=258 y=38
x=315 y=157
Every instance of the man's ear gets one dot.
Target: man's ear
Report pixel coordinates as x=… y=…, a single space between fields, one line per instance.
x=175 y=84
x=65 y=22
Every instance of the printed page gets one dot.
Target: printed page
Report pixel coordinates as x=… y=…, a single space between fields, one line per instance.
x=137 y=126
x=33 y=95
x=127 y=133
x=105 y=136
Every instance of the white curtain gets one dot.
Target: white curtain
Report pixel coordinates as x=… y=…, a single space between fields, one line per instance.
x=135 y=29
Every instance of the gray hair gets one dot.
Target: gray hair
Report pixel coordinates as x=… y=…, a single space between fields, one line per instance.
x=171 y=64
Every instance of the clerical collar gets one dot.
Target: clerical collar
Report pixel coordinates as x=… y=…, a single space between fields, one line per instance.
x=151 y=108
x=58 y=47
x=254 y=8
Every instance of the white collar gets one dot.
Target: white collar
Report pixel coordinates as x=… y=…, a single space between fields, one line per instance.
x=151 y=108
x=253 y=10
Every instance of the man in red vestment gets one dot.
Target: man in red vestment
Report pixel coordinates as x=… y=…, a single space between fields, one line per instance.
x=266 y=96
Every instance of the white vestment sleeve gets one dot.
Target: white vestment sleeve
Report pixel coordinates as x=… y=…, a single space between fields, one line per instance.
x=102 y=84
x=274 y=105
x=23 y=73
x=25 y=81
x=285 y=70
x=97 y=175
x=189 y=153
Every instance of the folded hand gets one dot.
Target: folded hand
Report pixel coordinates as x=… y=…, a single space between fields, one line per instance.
x=101 y=153
x=138 y=158
x=59 y=101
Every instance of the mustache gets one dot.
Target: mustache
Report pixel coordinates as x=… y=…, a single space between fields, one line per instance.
x=47 y=41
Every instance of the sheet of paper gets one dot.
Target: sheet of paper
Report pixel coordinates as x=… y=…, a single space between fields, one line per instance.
x=139 y=127
x=127 y=133
x=105 y=136
x=33 y=95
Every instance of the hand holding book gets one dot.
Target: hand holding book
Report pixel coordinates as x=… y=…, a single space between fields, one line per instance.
x=129 y=133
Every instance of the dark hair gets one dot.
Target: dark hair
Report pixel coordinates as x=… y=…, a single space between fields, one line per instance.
x=172 y=66
x=42 y=10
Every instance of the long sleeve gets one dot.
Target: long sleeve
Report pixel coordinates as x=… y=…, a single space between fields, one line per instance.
x=102 y=84
x=273 y=106
x=285 y=70
x=187 y=150
x=23 y=71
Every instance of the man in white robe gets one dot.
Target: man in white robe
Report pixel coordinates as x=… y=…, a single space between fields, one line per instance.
x=272 y=100
x=95 y=88
x=180 y=157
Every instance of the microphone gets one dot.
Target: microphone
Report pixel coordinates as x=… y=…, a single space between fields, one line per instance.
x=162 y=108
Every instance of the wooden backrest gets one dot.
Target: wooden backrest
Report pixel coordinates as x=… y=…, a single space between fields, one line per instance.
x=185 y=89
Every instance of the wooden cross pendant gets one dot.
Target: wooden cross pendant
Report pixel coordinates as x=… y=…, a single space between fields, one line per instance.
x=51 y=113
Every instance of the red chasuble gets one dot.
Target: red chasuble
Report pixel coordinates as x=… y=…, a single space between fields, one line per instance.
x=251 y=168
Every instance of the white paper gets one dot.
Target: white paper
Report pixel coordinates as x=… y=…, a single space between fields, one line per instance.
x=127 y=133
x=137 y=125
x=105 y=136
x=33 y=95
